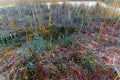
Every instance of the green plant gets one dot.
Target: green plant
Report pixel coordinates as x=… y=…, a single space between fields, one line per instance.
x=88 y=62
x=1 y=78
x=66 y=40
x=37 y=44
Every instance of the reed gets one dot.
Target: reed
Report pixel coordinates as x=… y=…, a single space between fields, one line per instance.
x=43 y=28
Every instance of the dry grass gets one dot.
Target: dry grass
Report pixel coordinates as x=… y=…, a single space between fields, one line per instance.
x=57 y=69
x=12 y=2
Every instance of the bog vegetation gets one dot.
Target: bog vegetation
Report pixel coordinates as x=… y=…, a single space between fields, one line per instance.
x=59 y=42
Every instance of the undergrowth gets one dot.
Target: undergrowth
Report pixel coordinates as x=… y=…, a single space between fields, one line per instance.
x=48 y=43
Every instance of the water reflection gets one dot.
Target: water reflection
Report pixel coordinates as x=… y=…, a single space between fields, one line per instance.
x=86 y=3
x=78 y=3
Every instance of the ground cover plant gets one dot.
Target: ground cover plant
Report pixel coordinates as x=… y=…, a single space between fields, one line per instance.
x=59 y=42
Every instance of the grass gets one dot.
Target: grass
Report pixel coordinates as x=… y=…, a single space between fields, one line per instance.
x=55 y=43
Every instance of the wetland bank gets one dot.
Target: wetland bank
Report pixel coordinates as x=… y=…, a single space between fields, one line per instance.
x=59 y=41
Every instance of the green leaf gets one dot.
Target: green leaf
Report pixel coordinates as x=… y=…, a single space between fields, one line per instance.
x=1 y=78
x=63 y=67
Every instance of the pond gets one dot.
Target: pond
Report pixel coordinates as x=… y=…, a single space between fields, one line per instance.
x=86 y=3
x=6 y=6
x=78 y=3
